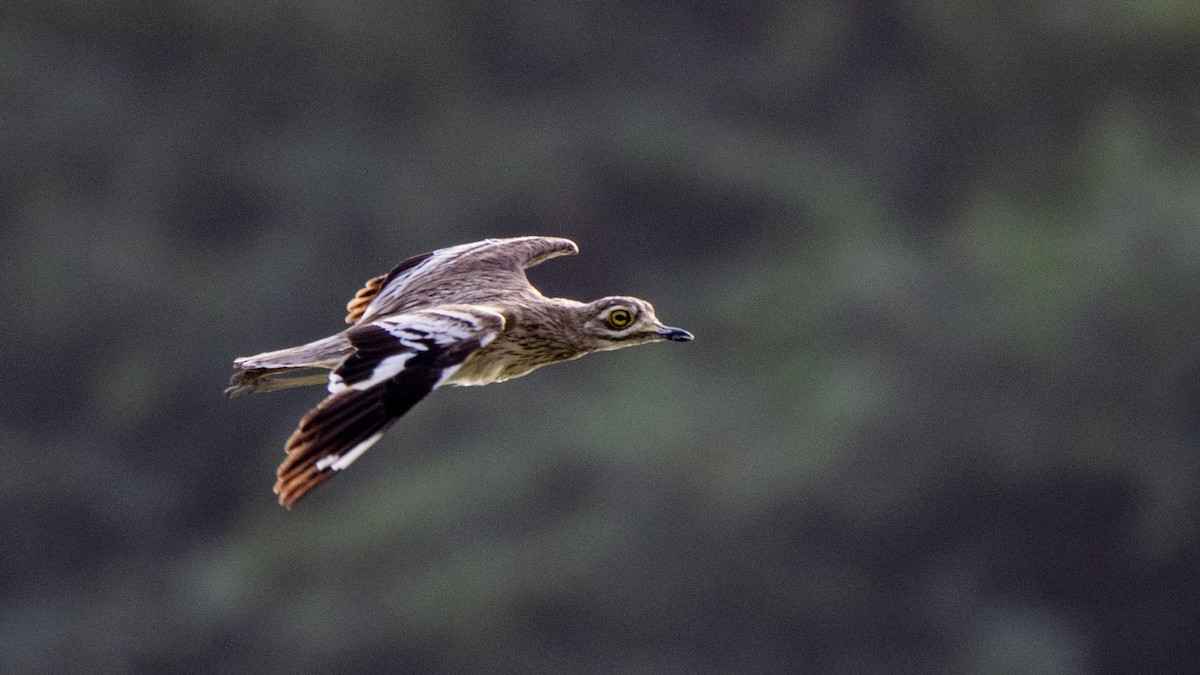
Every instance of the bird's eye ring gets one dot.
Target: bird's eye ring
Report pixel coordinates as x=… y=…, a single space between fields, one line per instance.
x=619 y=318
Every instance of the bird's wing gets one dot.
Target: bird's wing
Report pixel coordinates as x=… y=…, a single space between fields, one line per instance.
x=397 y=360
x=459 y=274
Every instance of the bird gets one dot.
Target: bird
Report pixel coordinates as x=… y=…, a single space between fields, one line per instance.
x=465 y=315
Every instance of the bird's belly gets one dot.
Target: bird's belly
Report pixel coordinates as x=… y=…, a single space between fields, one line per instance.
x=473 y=375
x=486 y=367
x=490 y=365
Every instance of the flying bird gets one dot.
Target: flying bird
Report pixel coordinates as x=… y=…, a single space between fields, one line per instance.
x=464 y=315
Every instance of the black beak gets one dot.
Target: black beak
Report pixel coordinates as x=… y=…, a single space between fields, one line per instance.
x=674 y=334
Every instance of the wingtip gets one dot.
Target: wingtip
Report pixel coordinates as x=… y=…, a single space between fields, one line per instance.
x=569 y=244
x=286 y=500
x=291 y=489
x=287 y=496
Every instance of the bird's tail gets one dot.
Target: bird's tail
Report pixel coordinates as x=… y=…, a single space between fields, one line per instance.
x=272 y=371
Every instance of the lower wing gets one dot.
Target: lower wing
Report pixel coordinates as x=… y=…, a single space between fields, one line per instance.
x=396 y=361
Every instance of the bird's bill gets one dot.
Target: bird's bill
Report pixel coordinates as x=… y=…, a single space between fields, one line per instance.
x=673 y=334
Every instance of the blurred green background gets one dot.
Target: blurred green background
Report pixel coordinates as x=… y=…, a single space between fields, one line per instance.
x=941 y=259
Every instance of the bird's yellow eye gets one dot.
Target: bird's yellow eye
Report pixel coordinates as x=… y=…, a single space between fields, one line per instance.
x=619 y=318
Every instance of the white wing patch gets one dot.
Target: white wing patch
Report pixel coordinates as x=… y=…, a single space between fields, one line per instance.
x=339 y=462
x=441 y=324
x=455 y=315
x=384 y=370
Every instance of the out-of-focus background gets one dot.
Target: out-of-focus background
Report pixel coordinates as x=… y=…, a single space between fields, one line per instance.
x=941 y=259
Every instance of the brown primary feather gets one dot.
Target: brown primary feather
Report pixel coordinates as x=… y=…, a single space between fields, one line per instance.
x=358 y=304
x=297 y=474
x=361 y=300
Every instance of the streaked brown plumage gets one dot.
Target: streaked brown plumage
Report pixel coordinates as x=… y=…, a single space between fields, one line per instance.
x=465 y=315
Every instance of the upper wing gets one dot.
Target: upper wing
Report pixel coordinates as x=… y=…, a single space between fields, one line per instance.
x=459 y=274
x=396 y=362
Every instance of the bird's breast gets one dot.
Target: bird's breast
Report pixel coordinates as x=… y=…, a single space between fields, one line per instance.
x=505 y=359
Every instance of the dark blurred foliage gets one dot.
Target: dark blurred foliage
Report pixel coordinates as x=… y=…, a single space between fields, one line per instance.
x=941 y=259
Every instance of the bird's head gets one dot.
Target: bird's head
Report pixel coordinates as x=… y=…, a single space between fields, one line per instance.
x=616 y=322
